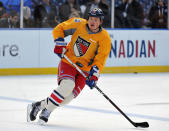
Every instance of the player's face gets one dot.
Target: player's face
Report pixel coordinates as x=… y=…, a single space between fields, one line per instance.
x=94 y=23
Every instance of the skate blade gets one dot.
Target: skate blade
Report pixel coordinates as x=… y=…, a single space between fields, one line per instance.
x=29 y=108
x=41 y=122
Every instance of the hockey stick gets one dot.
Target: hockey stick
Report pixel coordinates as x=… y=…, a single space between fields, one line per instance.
x=135 y=124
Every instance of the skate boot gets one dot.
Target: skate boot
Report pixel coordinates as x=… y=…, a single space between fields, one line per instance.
x=32 y=111
x=43 y=117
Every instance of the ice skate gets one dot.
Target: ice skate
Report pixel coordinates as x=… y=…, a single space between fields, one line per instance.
x=43 y=117
x=32 y=111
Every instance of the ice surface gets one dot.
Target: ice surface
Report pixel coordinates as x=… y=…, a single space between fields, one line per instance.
x=143 y=97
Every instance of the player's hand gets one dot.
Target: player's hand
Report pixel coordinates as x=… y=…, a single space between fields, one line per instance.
x=93 y=77
x=60 y=47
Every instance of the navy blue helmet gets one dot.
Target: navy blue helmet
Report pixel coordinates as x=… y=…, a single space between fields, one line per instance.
x=96 y=12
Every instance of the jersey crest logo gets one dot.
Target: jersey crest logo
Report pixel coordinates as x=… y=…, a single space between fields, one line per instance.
x=81 y=46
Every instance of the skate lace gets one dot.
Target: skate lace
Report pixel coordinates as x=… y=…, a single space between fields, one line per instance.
x=45 y=113
x=36 y=110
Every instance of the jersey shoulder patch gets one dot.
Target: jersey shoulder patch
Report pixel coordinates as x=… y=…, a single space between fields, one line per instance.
x=77 y=20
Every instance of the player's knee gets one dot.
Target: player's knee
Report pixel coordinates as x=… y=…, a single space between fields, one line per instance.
x=66 y=87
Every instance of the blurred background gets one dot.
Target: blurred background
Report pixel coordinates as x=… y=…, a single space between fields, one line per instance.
x=49 y=13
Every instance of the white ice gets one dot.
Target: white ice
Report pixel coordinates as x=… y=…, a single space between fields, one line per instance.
x=143 y=97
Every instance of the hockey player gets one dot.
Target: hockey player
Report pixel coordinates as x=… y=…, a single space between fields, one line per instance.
x=89 y=48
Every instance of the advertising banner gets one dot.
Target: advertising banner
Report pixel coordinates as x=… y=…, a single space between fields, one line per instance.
x=27 y=49
x=139 y=48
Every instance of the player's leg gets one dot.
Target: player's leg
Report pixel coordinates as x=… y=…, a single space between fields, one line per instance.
x=56 y=98
x=65 y=86
x=65 y=93
x=66 y=81
x=59 y=97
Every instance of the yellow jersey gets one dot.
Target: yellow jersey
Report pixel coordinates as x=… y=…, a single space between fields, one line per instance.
x=85 y=49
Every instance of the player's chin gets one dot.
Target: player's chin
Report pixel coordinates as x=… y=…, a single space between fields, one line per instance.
x=92 y=27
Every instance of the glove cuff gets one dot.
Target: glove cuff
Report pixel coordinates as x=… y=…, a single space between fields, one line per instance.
x=59 y=49
x=60 y=42
x=95 y=78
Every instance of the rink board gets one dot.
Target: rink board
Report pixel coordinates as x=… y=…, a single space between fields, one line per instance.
x=31 y=52
x=43 y=71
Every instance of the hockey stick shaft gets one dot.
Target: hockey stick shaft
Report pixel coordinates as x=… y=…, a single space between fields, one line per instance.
x=143 y=124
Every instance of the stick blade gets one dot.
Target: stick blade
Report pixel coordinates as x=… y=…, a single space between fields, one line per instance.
x=142 y=124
